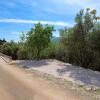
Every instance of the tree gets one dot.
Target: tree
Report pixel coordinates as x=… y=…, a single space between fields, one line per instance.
x=64 y=36
x=10 y=49
x=2 y=41
x=38 y=39
x=81 y=42
x=78 y=46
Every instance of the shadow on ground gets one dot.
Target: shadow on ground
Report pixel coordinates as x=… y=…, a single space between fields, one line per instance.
x=84 y=76
x=31 y=64
x=67 y=71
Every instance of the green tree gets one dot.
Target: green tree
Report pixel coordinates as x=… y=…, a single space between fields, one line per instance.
x=81 y=42
x=78 y=46
x=2 y=41
x=23 y=50
x=38 y=39
x=10 y=49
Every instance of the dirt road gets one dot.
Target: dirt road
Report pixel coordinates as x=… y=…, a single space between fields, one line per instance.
x=16 y=84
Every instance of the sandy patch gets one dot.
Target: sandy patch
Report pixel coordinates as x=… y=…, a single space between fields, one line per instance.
x=66 y=71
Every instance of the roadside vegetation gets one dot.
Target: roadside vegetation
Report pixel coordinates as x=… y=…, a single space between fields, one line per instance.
x=78 y=45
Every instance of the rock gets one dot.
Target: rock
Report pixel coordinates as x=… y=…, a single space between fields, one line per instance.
x=97 y=97
x=91 y=88
x=88 y=88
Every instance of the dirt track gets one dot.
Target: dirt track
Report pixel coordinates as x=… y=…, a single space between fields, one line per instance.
x=16 y=84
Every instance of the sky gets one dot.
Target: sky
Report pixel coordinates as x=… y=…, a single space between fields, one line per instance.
x=17 y=16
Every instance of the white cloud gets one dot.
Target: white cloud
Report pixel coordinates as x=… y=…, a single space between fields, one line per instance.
x=50 y=10
x=83 y=3
x=28 y=2
x=15 y=33
x=95 y=4
x=34 y=22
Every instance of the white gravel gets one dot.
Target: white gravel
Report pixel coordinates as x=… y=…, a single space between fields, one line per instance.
x=66 y=71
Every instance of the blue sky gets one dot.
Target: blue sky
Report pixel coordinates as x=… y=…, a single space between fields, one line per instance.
x=18 y=16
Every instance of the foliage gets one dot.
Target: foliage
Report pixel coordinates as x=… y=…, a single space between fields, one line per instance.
x=79 y=45
x=10 y=49
x=38 y=39
x=22 y=54
x=2 y=41
x=82 y=42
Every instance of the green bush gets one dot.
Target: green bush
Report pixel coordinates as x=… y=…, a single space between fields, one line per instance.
x=49 y=52
x=22 y=54
x=10 y=49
